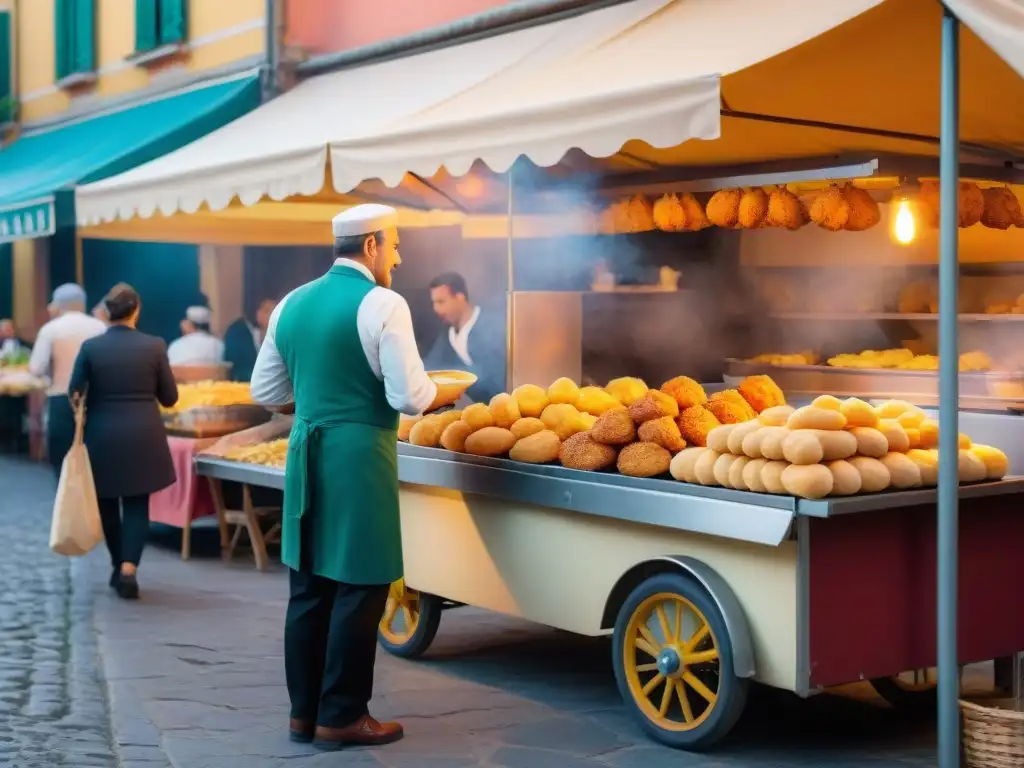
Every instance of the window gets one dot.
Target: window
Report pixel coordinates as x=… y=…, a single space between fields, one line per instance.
x=74 y=37
x=6 y=91
x=160 y=22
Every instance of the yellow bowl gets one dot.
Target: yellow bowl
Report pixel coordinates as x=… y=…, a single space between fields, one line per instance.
x=451 y=385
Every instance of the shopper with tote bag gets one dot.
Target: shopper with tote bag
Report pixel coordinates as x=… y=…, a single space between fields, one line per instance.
x=75 y=529
x=122 y=375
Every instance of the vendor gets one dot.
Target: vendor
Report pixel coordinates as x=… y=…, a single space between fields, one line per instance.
x=473 y=340
x=11 y=347
x=197 y=346
x=243 y=338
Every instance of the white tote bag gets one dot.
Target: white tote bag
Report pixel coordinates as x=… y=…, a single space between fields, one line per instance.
x=76 y=528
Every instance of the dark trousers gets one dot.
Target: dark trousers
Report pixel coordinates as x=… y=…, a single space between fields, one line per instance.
x=330 y=646
x=125 y=527
x=60 y=430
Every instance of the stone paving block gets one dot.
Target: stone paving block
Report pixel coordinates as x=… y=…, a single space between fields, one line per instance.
x=523 y=757
x=568 y=735
x=660 y=757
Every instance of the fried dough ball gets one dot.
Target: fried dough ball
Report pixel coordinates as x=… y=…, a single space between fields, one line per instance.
x=809 y=481
x=526 y=426
x=971 y=469
x=912 y=418
x=426 y=433
x=643 y=460
x=753 y=208
x=777 y=416
x=739 y=435
x=858 y=413
x=448 y=417
x=971 y=204
x=695 y=423
x=736 y=473
x=627 y=390
x=874 y=476
x=405 y=425
x=772 y=440
x=704 y=467
x=505 y=410
x=663 y=432
x=928 y=464
x=846 y=480
x=478 y=416
x=828 y=402
x=812 y=417
x=751 y=445
x=891 y=409
x=595 y=401
x=752 y=475
x=830 y=209
x=531 y=399
x=696 y=217
x=771 y=476
x=1002 y=208
x=730 y=407
x=864 y=213
x=588 y=420
x=895 y=435
x=653 y=405
x=563 y=392
x=669 y=215
x=454 y=436
x=870 y=442
x=685 y=391
x=581 y=452
x=903 y=471
x=997 y=465
x=837 y=444
x=562 y=419
x=490 y=441
x=761 y=392
x=721 y=469
x=614 y=427
x=718 y=438
x=803 y=447
x=538 y=448
x=684 y=464
x=723 y=209
x=785 y=210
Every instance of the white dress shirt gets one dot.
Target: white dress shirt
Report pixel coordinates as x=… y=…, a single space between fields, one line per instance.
x=57 y=345
x=199 y=348
x=385 y=330
x=459 y=339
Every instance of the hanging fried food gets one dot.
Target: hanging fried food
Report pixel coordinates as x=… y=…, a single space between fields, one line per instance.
x=1002 y=208
x=581 y=452
x=695 y=423
x=753 y=208
x=761 y=392
x=729 y=407
x=971 y=204
x=626 y=390
x=685 y=391
x=644 y=460
x=614 y=427
x=640 y=214
x=653 y=405
x=696 y=217
x=664 y=432
x=785 y=210
x=864 y=212
x=723 y=208
x=927 y=207
x=669 y=215
x=830 y=209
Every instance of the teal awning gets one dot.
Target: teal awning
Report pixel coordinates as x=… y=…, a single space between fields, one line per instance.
x=34 y=169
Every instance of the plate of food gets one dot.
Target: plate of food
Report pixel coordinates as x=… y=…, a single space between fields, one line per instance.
x=451 y=385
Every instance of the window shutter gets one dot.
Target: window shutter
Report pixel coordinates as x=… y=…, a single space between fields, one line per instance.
x=84 y=36
x=146 y=32
x=62 y=22
x=6 y=107
x=173 y=21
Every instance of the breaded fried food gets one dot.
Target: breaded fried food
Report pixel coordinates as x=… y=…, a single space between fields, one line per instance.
x=761 y=392
x=753 y=208
x=723 y=209
x=785 y=210
x=696 y=217
x=563 y=391
x=539 y=448
x=490 y=441
x=454 y=436
x=505 y=410
x=595 y=401
x=730 y=407
x=426 y=433
x=695 y=423
x=653 y=405
x=405 y=425
x=685 y=391
x=614 y=427
x=643 y=460
x=971 y=204
x=864 y=212
x=478 y=416
x=562 y=419
x=663 y=432
x=627 y=390
x=531 y=399
x=581 y=452
x=669 y=215
x=526 y=426
x=830 y=209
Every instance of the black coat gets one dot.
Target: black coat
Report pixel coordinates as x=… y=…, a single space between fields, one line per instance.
x=240 y=350
x=124 y=373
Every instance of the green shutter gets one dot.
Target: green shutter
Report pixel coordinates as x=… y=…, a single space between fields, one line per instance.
x=146 y=37
x=62 y=26
x=173 y=21
x=84 y=46
x=6 y=106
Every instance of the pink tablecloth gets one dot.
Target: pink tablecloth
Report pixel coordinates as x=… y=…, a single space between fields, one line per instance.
x=189 y=498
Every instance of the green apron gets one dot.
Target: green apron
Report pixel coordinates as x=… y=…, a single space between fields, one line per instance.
x=341 y=480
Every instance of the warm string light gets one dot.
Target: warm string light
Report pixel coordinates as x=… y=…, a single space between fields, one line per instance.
x=905 y=228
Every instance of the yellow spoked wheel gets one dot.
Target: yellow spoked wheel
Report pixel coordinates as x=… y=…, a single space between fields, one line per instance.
x=909 y=690
x=410 y=621
x=674 y=663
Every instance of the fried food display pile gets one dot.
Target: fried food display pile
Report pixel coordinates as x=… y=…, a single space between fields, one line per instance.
x=272 y=454
x=206 y=394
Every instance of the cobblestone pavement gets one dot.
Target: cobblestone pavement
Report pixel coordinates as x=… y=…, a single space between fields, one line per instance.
x=52 y=707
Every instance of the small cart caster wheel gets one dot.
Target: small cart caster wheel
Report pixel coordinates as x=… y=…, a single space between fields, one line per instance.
x=911 y=691
x=673 y=663
x=410 y=621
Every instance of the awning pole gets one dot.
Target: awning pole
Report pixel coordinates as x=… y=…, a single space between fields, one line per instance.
x=949 y=386
x=510 y=295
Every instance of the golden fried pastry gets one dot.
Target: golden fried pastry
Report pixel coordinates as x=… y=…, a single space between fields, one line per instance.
x=828 y=402
x=685 y=391
x=812 y=417
x=562 y=419
x=531 y=399
x=753 y=208
x=864 y=212
x=965 y=443
x=704 y=467
x=595 y=401
x=846 y=480
x=913 y=437
x=739 y=434
x=581 y=452
x=928 y=204
x=695 y=423
x=975 y=361
x=874 y=475
x=771 y=476
x=504 y=410
x=526 y=426
x=837 y=444
x=858 y=413
x=564 y=391
x=971 y=469
x=1002 y=208
x=929 y=430
x=730 y=407
x=718 y=438
x=454 y=436
x=895 y=435
x=448 y=417
x=490 y=441
x=971 y=204
x=830 y=209
x=785 y=210
x=927 y=463
x=478 y=416
x=723 y=465
x=653 y=405
x=752 y=475
x=405 y=425
x=640 y=214
x=669 y=215
x=761 y=392
x=588 y=420
x=683 y=466
x=751 y=445
x=891 y=409
x=912 y=418
x=643 y=460
x=627 y=390
x=870 y=442
x=663 y=432
x=777 y=416
x=809 y=481
x=723 y=209
x=803 y=447
x=696 y=217
x=538 y=448
x=772 y=440
x=903 y=472
x=427 y=432
x=997 y=465
x=614 y=427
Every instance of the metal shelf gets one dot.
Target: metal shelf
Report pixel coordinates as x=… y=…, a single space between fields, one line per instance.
x=972 y=317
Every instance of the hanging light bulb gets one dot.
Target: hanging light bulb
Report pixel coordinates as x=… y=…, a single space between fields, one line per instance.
x=905 y=227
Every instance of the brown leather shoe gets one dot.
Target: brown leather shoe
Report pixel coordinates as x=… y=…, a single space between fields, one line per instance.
x=364 y=732
x=301 y=730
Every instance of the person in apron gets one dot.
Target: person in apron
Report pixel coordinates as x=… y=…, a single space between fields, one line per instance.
x=340 y=352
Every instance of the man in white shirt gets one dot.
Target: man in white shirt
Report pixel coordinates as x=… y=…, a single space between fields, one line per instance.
x=53 y=356
x=197 y=346
x=341 y=352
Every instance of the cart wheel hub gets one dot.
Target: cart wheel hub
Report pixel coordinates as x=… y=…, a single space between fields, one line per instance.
x=669 y=663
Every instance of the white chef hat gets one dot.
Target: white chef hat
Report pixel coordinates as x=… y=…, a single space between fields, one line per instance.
x=364 y=220
x=198 y=315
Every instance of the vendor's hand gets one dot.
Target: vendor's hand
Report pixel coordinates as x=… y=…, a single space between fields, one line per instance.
x=284 y=410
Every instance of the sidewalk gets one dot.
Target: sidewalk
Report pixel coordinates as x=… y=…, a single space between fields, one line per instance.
x=196 y=680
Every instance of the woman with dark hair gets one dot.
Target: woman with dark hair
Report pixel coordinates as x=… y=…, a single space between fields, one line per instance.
x=122 y=375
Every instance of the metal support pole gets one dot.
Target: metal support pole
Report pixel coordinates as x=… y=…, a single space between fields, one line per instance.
x=949 y=394
x=510 y=315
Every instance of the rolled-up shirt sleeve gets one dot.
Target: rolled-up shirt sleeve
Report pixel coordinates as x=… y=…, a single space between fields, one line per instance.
x=408 y=388
x=271 y=384
x=39 y=361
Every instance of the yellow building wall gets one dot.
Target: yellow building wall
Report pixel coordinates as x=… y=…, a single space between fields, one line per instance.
x=220 y=32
